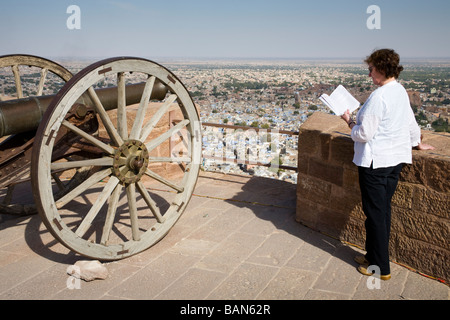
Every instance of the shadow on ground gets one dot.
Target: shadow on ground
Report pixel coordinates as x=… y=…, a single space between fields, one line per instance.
x=270 y=200
x=275 y=201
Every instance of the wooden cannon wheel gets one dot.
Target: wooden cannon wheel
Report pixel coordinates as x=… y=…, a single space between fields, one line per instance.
x=16 y=149
x=45 y=67
x=147 y=170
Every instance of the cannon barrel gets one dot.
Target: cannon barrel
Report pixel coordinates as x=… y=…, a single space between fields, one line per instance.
x=23 y=115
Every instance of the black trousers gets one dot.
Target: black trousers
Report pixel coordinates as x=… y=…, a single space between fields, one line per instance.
x=377 y=188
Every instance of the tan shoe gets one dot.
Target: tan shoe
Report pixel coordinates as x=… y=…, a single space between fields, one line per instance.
x=364 y=271
x=361 y=260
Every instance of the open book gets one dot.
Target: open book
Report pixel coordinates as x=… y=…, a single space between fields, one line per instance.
x=340 y=100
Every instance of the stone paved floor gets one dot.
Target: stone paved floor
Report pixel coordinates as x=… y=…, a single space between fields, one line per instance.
x=238 y=239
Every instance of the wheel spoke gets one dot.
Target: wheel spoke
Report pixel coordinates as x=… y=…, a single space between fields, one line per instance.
x=19 y=90
x=96 y=177
x=157 y=177
x=95 y=209
x=109 y=126
x=157 y=116
x=143 y=105
x=121 y=107
x=131 y=195
x=156 y=142
x=9 y=195
x=60 y=185
x=150 y=203
x=101 y=162
x=42 y=82
x=88 y=137
x=112 y=208
x=170 y=159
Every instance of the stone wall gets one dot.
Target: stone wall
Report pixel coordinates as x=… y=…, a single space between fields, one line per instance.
x=328 y=196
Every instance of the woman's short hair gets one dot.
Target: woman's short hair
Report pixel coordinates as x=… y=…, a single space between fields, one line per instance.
x=386 y=61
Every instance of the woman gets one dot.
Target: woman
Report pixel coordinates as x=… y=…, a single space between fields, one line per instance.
x=384 y=133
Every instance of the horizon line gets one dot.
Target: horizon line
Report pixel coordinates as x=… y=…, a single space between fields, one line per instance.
x=225 y=58
x=406 y=58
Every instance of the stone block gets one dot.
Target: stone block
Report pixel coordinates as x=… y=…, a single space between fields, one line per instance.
x=403 y=196
x=306 y=212
x=428 y=171
x=431 y=202
x=341 y=150
x=325 y=141
x=313 y=189
x=326 y=172
x=429 y=259
x=437 y=172
x=425 y=227
x=302 y=163
x=345 y=202
x=331 y=222
x=351 y=180
x=325 y=122
x=354 y=232
x=414 y=173
x=309 y=142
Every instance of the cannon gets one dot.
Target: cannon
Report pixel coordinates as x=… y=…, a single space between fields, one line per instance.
x=109 y=169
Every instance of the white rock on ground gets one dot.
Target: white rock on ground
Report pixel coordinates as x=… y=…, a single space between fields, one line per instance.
x=88 y=270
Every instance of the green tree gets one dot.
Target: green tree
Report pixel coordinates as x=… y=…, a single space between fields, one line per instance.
x=440 y=125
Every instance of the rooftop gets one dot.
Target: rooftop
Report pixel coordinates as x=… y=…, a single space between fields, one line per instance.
x=238 y=239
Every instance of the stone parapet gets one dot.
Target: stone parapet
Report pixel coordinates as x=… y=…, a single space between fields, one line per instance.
x=329 y=199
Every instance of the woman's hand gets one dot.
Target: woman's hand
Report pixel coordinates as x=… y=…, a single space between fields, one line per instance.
x=423 y=146
x=346 y=116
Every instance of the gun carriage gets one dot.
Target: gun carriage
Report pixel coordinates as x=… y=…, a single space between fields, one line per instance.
x=98 y=155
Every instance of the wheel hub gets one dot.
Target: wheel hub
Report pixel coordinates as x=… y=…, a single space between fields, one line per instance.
x=130 y=161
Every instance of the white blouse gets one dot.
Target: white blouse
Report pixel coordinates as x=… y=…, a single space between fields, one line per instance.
x=386 y=129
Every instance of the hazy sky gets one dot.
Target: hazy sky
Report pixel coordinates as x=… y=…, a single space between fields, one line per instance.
x=225 y=28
